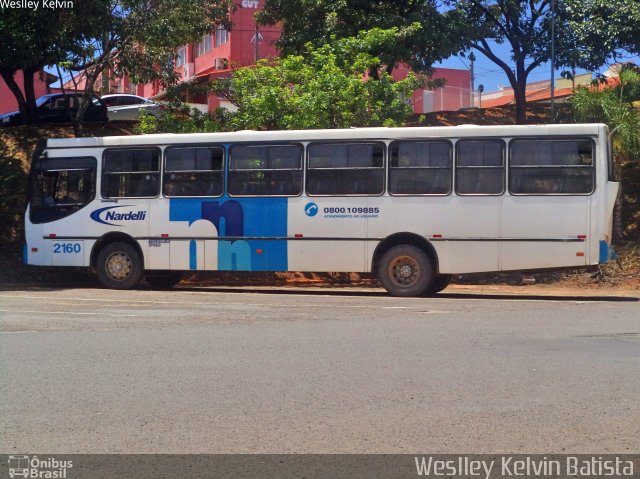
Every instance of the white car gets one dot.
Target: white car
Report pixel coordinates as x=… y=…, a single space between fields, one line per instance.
x=123 y=107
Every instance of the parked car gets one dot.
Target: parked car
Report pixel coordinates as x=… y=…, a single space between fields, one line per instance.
x=60 y=108
x=124 y=107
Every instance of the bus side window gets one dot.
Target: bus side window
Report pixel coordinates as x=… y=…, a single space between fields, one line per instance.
x=346 y=168
x=479 y=167
x=193 y=171
x=420 y=167
x=551 y=166
x=131 y=173
x=265 y=170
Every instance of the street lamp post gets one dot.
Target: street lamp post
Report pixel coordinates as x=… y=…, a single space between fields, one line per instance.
x=553 y=59
x=472 y=59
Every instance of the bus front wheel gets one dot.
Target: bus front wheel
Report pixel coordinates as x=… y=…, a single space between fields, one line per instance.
x=119 y=266
x=406 y=270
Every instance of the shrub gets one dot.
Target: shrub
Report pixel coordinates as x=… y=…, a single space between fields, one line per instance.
x=181 y=118
x=13 y=181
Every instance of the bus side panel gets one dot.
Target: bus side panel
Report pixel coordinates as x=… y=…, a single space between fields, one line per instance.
x=457 y=257
x=37 y=250
x=602 y=207
x=554 y=221
x=129 y=216
x=448 y=222
x=602 y=223
x=332 y=234
x=68 y=251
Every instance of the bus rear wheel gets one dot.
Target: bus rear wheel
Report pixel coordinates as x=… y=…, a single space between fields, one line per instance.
x=119 y=266
x=439 y=283
x=406 y=270
x=163 y=279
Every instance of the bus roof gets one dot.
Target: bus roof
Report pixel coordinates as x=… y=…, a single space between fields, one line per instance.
x=591 y=129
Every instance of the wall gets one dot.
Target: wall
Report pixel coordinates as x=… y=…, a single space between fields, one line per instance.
x=7 y=100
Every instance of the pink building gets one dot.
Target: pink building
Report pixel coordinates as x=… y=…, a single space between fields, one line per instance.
x=41 y=82
x=454 y=95
x=221 y=51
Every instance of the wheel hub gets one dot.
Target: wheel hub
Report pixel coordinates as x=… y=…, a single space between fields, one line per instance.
x=118 y=266
x=404 y=270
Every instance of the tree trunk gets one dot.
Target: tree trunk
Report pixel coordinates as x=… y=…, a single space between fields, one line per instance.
x=29 y=92
x=7 y=76
x=520 y=96
x=78 y=121
x=618 y=225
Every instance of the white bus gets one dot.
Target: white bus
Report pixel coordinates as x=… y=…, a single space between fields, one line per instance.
x=412 y=205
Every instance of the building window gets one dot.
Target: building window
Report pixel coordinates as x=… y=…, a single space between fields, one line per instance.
x=193 y=171
x=541 y=166
x=420 y=168
x=345 y=169
x=222 y=36
x=479 y=167
x=181 y=57
x=130 y=173
x=204 y=45
x=265 y=170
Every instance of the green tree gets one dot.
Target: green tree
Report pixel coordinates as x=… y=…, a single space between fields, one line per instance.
x=609 y=26
x=133 y=37
x=523 y=25
x=32 y=39
x=138 y=38
x=423 y=34
x=615 y=107
x=13 y=180
x=328 y=87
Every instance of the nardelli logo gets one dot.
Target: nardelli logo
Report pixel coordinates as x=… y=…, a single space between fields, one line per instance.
x=105 y=215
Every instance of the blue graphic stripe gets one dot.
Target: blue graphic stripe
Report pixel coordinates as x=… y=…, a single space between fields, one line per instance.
x=193 y=251
x=240 y=217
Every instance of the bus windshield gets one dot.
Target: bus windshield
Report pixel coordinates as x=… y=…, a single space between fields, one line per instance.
x=60 y=187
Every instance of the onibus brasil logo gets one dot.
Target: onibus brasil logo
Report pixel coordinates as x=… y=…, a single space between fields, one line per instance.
x=33 y=467
x=112 y=213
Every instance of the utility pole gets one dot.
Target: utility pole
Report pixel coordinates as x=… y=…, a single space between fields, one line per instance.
x=257 y=37
x=472 y=58
x=553 y=60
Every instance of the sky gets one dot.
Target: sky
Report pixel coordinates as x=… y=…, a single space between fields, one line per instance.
x=493 y=77
x=490 y=75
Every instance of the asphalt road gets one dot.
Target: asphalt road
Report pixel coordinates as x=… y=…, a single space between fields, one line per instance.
x=319 y=371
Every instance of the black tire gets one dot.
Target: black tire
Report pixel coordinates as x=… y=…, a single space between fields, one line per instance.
x=406 y=270
x=119 y=266
x=163 y=279
x=439 y=283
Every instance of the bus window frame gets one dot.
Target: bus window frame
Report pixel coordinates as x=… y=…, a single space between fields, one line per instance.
x=229 y=170
x=193 y=145
x=594 y=165
x=504 y=166
x=40 y=166
x=383 y=168
x=450 y=141
x=135 y=147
